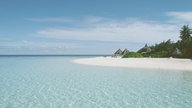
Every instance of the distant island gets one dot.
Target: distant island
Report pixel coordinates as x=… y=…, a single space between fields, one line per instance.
x=180 y=49
x=159 y=56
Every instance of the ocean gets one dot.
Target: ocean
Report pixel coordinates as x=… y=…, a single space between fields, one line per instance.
x=57 y=82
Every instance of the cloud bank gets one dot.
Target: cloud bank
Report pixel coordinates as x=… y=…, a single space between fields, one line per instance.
x=93 y=34
x=130 y=30
x=181 y=17
x=135 y=32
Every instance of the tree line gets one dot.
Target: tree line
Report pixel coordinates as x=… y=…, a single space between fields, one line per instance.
x=180 y=49
x=167 y=48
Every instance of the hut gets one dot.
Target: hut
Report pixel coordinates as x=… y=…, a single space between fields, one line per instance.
x=145 y=49
x=176 y=53
x=125 y=51
x=118 y=52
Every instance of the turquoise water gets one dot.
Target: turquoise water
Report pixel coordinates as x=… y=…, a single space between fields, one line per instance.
x=55 y=82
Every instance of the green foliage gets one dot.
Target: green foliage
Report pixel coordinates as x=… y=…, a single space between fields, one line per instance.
x=186 y=49
x=166 y=48
x=132 y=55
x=159 y=54
x=186 y=42
x=163 y=49
x=185 y=33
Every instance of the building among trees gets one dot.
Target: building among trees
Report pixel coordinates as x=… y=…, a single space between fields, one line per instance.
x=176 y=53
x=119 y=52
x=125 y=51
x=145 y=49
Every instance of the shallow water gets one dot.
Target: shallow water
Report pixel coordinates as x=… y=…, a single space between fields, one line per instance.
x=55 y=82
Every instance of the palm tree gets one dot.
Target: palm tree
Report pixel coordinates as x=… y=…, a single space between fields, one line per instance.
x=186 y=41
x=185 y=33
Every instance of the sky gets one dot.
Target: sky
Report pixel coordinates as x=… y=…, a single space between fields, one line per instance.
x=88 y=26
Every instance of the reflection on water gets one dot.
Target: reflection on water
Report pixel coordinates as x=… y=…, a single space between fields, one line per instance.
x=56 y=82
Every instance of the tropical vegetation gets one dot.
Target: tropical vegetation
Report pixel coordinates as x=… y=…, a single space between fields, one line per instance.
x=132 y=55
x=166 y=48
x=182 y=48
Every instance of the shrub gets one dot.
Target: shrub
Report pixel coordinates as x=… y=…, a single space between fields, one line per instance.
x=160 y=54
x=132 y=55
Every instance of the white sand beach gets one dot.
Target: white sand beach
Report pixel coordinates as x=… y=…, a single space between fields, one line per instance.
x=150 y=63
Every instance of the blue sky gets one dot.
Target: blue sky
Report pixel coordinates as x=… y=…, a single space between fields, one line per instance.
x=88 y=26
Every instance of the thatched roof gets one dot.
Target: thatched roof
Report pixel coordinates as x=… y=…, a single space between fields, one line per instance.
x=145 y=49
x=125 y=51
x=119 y=52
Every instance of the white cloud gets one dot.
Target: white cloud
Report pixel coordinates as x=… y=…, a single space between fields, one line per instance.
x=95 y=19
x=130 y=33
x=181 y=17
x=115 y=30
x=36 y=45
x=130 y=30
x=4 y=39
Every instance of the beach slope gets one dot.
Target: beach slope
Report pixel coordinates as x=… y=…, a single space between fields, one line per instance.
x=150 y=63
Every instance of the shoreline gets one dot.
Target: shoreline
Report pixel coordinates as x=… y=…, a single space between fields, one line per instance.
x=146 y=63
